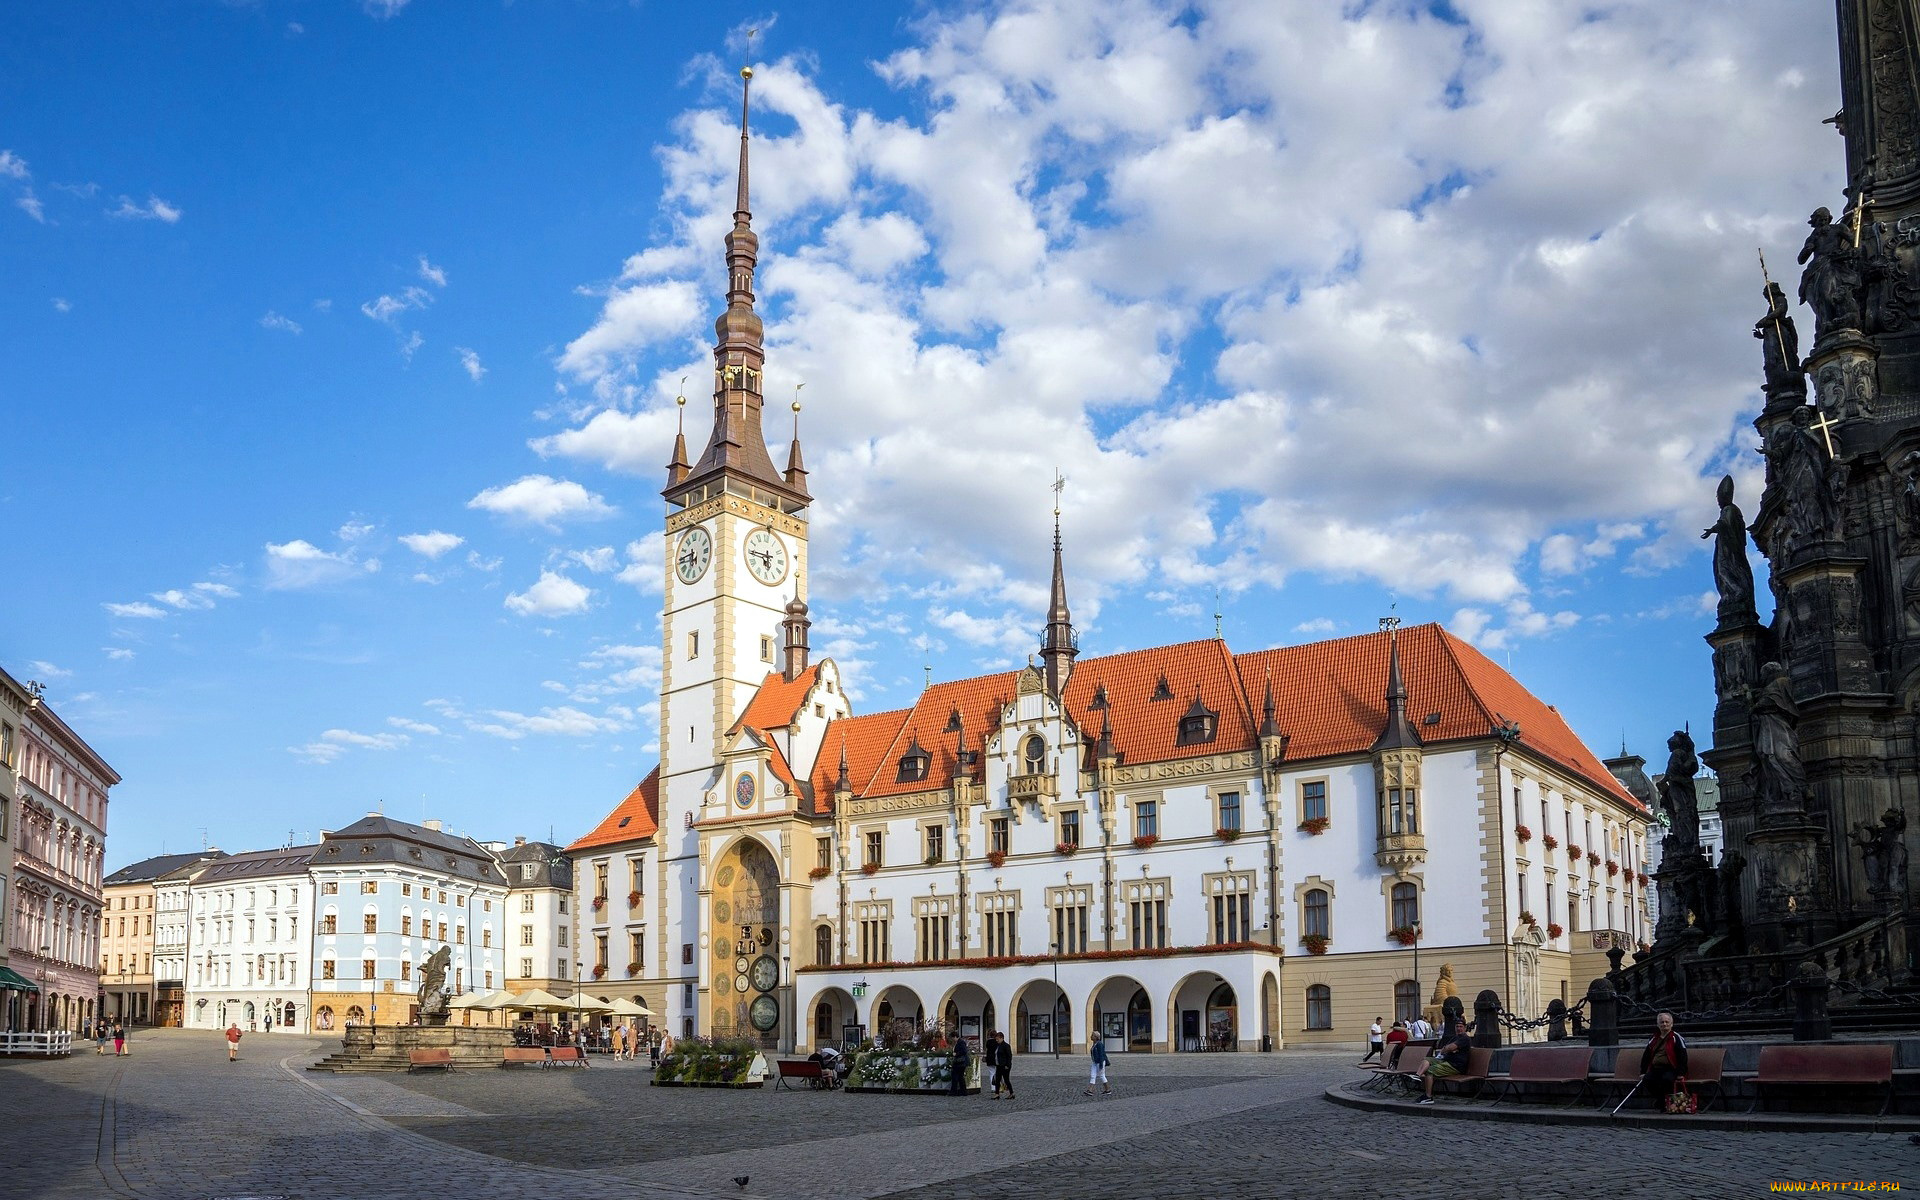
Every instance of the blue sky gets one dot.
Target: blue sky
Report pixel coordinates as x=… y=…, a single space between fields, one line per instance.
x=1332 y=309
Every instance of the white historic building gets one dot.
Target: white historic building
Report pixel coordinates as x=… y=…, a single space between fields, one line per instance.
x=543 y=945
x=250 y=942
x=1205 y=849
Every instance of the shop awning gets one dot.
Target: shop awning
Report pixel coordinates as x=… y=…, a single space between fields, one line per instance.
x=11 y=979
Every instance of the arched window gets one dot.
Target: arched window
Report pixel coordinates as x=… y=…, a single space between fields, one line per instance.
x=1035 y=754
x=823 y=946
x=1406 y=1000
x=1317 y=922
x=1406 y=906
x=1319 y=1007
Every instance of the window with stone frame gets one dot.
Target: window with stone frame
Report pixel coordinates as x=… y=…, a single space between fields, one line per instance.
x=329 y=924
x=526 y=968
x=1319 y=1007
x=1313 y=800
x=637 y=874
x=1070 y=827
x=526 y=903
x=366 y=968
x=823 y=946
x=1068 y=918
x=1230 y=905
x=1227 y=811
x=370 y=923
x=526 y=935
x=1146 y=819
x=600 y=950
x=999 y=836
x=933 y=921
x=936 y=841
x=1406 y=1000
x=876 y=849
x=823 y=853
x=874 y=921
x=406 y=970
x=1405 y=898
x=1316 y=913
x=1146 y=901
x=637 y=949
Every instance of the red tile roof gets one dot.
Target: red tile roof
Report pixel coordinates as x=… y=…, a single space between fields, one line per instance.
x=1145 y=729
x=864 y=740
x=635 y=818
x=778 y=700
x=979 y=702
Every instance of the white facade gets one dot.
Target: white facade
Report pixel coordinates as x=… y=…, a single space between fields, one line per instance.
x=250 y=948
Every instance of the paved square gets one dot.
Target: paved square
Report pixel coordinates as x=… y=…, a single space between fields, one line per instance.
x=176 y=1122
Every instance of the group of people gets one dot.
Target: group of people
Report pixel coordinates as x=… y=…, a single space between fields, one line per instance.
x=1662 y=1063
x=116 y=1032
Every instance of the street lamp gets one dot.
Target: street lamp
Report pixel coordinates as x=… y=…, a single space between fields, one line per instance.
x=579 y=985
x=44 y=951
x=1419 y=1005
x=1057 y=994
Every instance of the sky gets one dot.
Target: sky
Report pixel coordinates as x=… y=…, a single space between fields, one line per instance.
x=339 y=341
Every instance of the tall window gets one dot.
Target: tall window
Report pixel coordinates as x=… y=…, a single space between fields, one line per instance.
x=936 y=843
x=600 y=880
x=1313 y=800
x=1316 y=922
x=370 y=923
x=637 y=871
x=637 y=949
x=1396 y=815
x=526 y=935
x=936 y=937
x=1000 y=930
x=997 y=836
x=1232 y=917
x=1070 y=828
x=1070 y=928
x=1319 y=1007
x=406 y=969
x=1229 y=811
x=823 y=946
x=1520 y=889
x=1406 y=905
x=875 y=845
x=326 y=968
x=526 y=903
x=329 y=924
x=406 y=927
x=1146 y=819
x=1147 y=917
x=873 y=940
x=600 y=949
x=562 y=933
x=1406 y=1000
x=526 y=968
x=823 y=852
x=366 y=968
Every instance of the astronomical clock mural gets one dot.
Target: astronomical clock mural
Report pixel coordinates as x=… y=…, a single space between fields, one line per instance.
x=746 y=940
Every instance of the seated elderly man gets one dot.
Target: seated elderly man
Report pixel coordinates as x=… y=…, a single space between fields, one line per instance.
x=1449 y=1057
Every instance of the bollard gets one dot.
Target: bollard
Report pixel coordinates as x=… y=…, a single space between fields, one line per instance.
x=1556 y=1020
x=1603 y=1021
x=1810 y=1020
x=1486 y=1019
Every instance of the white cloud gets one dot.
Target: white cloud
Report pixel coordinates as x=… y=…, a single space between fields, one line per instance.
x=139 y=608
x=12 y=166
x=565 y=721
x=552 y=595
x=1316 y=625
x=414 y=342
x=633 y=319
x=215 y=589
x=470 y=362
x=274 y=320
x=543 y=500
x=413 y=726
x=431 y=545
x=301 y=564
x=600 y=560
x=384 y=308
x=319 y=753
x=366 y=741
x=31 y=205
x=479 y=563
x=353 y=531
x=177 y=598
x=46 y=670
x=155 y=209
x=60 y=304
x=384 y=10
x=117 y=653
x=431 y=273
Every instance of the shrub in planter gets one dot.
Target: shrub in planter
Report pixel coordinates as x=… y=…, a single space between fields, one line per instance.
x=819 y=872
x=996 y=858
x=1227 y=835
x=1554 y=931
x=1406 y=935
x=1523 y=833
x=869 y=868
x=1315 y=825
x=1550 y=842
x=1145 y=841
x=1316 y=943
x=1573 y=852
x=1613 y=868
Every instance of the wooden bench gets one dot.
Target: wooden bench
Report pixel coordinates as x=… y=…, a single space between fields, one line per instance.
x=1564 y=1065
x=567 y=1055
x=1479 y=1062
x=1705 y=1068
x=1407 y=1067
x=521 y=1055
x=1805 y=1064
x=816 y=1075
x=442 y=1058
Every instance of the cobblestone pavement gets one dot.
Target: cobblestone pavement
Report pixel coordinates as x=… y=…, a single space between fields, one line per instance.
x=176 y=1122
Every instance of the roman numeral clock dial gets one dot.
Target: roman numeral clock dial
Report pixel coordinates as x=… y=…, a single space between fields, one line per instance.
x=694 y=554
x=766 y=556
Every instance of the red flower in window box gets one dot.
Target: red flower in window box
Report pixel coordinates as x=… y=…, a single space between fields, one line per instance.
x=1227 y=835
x=1593 y=859
x=599 y=902
x=633 y=899
x=1146 y=841
x=869 y=868
x=1554 y=931
x=1550 y=842
x=1613 y=868
x=632 y=970
x=1406 y=935
x=599 y=970
x=1523 y=833
x=1573 y=852
x=996 y=858
x=819 y=872
x=1064 y=849
x=1642 y=877
x=1527 y=918
x=1316 y=943
x=1316 y=825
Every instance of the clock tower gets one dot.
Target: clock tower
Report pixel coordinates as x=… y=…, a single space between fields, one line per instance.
x=736 y=556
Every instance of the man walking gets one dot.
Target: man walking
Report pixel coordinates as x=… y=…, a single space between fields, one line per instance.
x=1000 y=1058
x=1373 y=1040
x=961 y=1062
x=1098 y=1073
x=233 y=1041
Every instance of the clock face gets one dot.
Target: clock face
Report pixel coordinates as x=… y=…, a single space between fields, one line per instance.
x=743 y=791
x=764 y=1013
x=695 y=552
x=739 y=983
x=766 y=556
x=766 y=973
x=740 y=964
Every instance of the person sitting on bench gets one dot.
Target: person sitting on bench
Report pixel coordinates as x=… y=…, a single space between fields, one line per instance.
x=1663 y=1061
x=1449 y=1057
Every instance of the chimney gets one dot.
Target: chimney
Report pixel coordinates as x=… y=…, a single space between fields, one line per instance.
x=519 y=841
x=434 y=825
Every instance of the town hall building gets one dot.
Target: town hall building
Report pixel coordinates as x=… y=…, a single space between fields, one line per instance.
x=1180 y=848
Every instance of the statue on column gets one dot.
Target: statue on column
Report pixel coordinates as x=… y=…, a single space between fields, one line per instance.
x=1780 y=778
x=1732 y=574
x=1883 y=852
x=1678 y=796
x=1779 y=344
x=1833 y=284
x=1798 y=467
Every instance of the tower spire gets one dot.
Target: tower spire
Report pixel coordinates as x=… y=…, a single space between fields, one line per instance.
x=1060 y=646
x=796 y=466
x=677 y=469
x=1398 y=731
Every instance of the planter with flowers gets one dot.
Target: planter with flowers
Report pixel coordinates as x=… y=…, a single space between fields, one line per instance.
x=1316 y=943
x=996 y=859
x=1523 y=833
x=1066 y=849
x=599 y=970
x=1227 y=835
x=1554 y=931
x=1550 y=842
x=633 y=899
x=1642 y=879
x=819 y=872
x=1146 y=841
x=1315 y=825
x=599 y=902
x=1526 y=918
x=1573 y=852
x=1593 y=858
x=1613 y=868
x=633 y=969
x=1406 y=935
x=872 y=868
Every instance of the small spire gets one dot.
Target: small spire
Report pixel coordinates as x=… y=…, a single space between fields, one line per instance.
x=796 y=466
x=1216 y=614
x=1398 y=732
x=1104 y=747
x=1269 y=723
x=677 y=469
x=740 y=209
x=841 y=784
x=1060 y=647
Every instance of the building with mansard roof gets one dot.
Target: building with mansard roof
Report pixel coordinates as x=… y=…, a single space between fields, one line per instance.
x=1180 y=848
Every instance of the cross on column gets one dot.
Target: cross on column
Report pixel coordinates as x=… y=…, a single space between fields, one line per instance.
x=1825 y=425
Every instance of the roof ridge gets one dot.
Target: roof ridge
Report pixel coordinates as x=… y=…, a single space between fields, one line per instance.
x=1446 y=645
x=1235 y=680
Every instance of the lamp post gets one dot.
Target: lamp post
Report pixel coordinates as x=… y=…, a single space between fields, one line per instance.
x=789 y=1018
x=44 y=951
x=579 y=984
x=1057 y=993
x=1419 y=990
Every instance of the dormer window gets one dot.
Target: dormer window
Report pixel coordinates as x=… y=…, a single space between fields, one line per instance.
x=1161 y=690
x=1198 y=725
x=1099 y=700
x=915 y=764
x=953 y=722
x=1034 y=753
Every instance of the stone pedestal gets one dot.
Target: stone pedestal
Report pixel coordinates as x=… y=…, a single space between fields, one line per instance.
x=1790 y=886
x=366 y=1048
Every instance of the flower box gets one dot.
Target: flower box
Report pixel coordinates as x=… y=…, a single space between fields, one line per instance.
x=1523 y=833
x=1064 y=849
x=910 y=1071
x=1146 y=841
x=819 y=872
x=1554 y=931
x=1406 y=935
x=1593 y=859
x=1573 y=852
x=1642 y=878
x=1613 y=868
x=599 y=902
x=1315 y=825
x=633 y=969
x=1227 y=835
x=599 y=970
x=633 y=899
x=869 y=868
x=996 y=859
x=712 y=1063
x=1316 y=943
x=932 y=860
x=1550 y=842
x=1527 y=918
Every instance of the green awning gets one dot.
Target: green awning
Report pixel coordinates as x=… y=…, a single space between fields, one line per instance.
x=13 y=980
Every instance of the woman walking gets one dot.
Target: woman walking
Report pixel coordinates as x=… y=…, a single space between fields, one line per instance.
x=1098 y=1073
x=119 y=1040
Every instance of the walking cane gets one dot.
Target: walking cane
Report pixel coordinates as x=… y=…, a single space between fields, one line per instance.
x=1628 y=1096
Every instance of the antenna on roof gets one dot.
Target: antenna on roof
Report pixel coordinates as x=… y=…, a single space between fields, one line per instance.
x=928 y=669
x=1216 y=614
